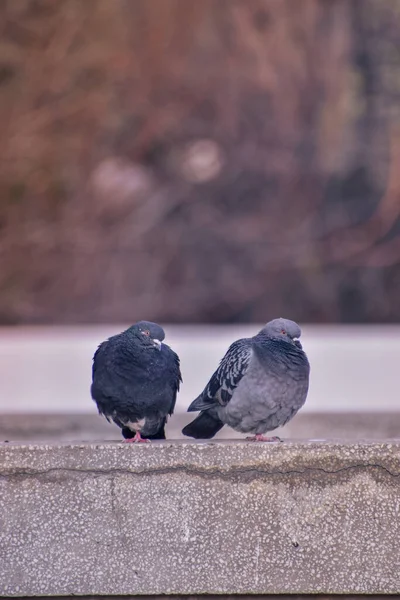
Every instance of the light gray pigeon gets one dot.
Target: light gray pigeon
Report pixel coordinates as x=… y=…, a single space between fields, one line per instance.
x=260 y=384
x=136 y=378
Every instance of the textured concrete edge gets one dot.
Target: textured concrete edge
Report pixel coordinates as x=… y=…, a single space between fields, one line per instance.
x=303 y=529
x=221 y=458
x=220 y=597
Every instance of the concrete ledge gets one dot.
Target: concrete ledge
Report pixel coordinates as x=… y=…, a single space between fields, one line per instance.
x=193 y=518
x=47 y=427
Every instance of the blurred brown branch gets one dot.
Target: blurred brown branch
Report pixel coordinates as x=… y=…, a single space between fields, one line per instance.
x=192 y=161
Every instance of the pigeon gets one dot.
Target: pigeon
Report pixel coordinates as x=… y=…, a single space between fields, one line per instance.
x=136 y=378
x=260 y=385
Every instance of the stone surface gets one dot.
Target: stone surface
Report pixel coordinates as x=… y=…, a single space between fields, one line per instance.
x=199 y=517
x=231 y=597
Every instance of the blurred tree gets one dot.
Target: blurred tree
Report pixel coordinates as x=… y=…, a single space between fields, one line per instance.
x=185 y=161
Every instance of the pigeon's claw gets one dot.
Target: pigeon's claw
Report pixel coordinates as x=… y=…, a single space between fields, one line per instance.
x=262 y=438
x=137 y=439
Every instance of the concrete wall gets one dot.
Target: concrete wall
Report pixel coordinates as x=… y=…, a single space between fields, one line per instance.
x=48 y=369
x=191 y=518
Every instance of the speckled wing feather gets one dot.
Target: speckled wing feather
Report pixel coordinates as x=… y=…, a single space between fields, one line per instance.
x=226 y=378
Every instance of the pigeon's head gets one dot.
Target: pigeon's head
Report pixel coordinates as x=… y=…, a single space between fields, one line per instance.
x=283 y=329
x=149 y=334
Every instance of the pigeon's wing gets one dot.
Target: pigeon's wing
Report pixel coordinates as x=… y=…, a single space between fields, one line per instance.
x=175 y=377
x=226 y=378
x=98 y=358
x=113 y=374
x=99 y=389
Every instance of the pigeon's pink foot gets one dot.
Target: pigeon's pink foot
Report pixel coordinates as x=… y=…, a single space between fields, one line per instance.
x=262 y=438
x=137 y=439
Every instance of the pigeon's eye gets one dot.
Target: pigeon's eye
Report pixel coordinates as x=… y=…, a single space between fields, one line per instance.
x=146 y=332
x=283 y=331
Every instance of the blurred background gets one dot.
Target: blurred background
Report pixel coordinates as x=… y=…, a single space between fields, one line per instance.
x=207 y=165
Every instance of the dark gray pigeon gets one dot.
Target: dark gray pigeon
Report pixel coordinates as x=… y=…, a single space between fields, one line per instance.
x=259 y=385
x=136 y=378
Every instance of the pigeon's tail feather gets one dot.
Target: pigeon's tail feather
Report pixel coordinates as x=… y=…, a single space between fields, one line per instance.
x=127 y=433
x=201 y=403
x=204 y=426
x=159 y=435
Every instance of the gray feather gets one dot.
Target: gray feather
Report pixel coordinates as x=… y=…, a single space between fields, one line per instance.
x=261 y=382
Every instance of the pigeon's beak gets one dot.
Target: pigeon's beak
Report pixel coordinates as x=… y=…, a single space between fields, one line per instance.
x=157 y=344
